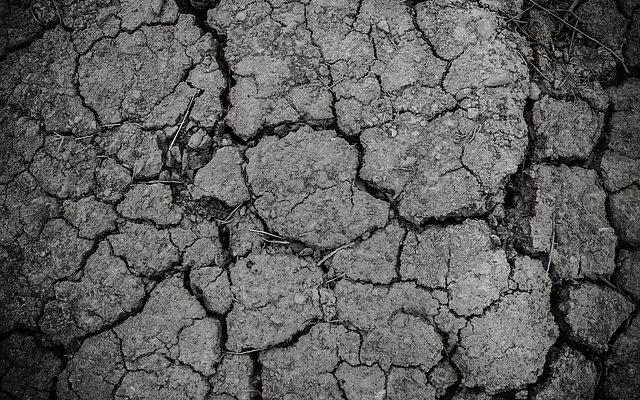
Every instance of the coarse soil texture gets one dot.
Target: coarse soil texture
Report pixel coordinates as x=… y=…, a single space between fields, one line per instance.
x=320 y=199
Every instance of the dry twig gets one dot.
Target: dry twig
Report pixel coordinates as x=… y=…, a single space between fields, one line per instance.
x=333 y=253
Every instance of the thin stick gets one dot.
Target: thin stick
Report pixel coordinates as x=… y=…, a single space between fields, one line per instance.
x=335 y=278
x=553 y=239
x=111 y=125
x=333 y=253
x=239 y=353
x=274 y=241
x=229 y=219
x=184 y=118
x=161 y=181
x=307 y=233
x=596 y=41
x=266 y=233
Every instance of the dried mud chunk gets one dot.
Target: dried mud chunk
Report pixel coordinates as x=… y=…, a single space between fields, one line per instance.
x=373 y=260
x=625 y=214
x=505 y=348
x=65 y=168
x=21 y=139
x=148 y=63
x=28 y=371
x=569 y=211
x=40 y=80
x=58 y=253
x=92 y=218
x=112 y=181
x=19 y=302
x=623 y=365
x=222 y=178
x=241 y=240
x=304 y=370
x=233 y=378
x=451 y=29
x=565 y=129
x=620 y=165
x=632 y=53
x=361 y=382
x=17 y=25
x=601 y=20
x=136 y=148
x=409 y=384
x=172 y=327
x=152 y=202
x=27 y=208
x=177 y=382
x=461 y=259
x=592 y=314
x=147 y=12
x=442 y=377
x=213 y=286
x=147 y=251
x=106 y=293
x=304 y=185
x=275 y=63
x=94 y=371
x=573 y=376
x=628 y=277
x=390 y=318
x=204 y=251
x=277 y=296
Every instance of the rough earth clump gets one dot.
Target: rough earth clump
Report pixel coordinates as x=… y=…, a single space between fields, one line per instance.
x=316 y=199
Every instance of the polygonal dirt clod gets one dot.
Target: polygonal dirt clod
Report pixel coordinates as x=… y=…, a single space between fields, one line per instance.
x=505 y=348
x=92 y=217
x=41 y=81
x=593 y=313
x=409 y=384
x=213 y=286
x=106 y=293
x=172 y=326
x=361 y=382
x=279 y=71
x=460 y=259
x=620 y=163
x=625 y=214
x=628 y=277
x=151 y=202
x=567 y=219
x=277 y=296
x=565 y=129
x=305 y=187
x=58 y=253
x=373 y=260
x=390 y=317
x=222 y=178
x=65 y=167
x=623 y=364
x=136 y=148
x=304 y=370
x=148 y=251
x=28 y=371
x=21 y=138
x=233 y=378
x=573 y=376
x=146 y=67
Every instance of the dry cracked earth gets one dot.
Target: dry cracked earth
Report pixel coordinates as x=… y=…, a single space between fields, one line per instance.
x=319 y=199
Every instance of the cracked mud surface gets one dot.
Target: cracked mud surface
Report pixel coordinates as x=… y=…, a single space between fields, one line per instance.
x=319 y=199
